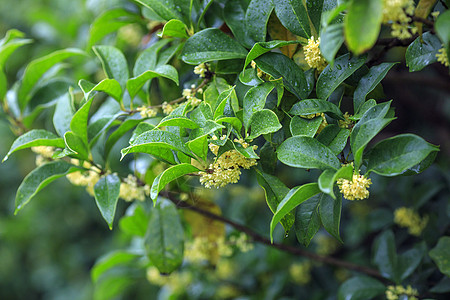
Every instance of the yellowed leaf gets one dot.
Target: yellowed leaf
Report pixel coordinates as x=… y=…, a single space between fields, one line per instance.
x=278 y=32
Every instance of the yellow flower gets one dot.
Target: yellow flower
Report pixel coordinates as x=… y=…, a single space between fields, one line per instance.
x=442 y=57
x=396 y=13
x=167 y=108
x=355 y=189
x=146 y=112
x=408 y=218
x=201 y=70
x=301 y=272
x=347 y=123
x=313 y=56
x=130 y=189
x=393 y=292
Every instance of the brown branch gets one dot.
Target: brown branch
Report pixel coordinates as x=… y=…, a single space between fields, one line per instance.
x=286 y=248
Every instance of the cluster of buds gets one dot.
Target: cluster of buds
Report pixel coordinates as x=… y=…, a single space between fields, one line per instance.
x=397 y=13
x=259 y=72
x=44 y=154
x=201 y=70
x=130 y=189
x=167 y=108
x=347 y=123
x=356 y=189
x=312 y=116
x=189 y=94
x=87 y=178
x=442 y=57
x=394 y=292
x=313 y=56
x=146 y=112
x=408 y=218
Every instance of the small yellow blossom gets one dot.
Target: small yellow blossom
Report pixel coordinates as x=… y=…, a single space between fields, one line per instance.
x=225 y=268
x=86 y=178
x=242 y=242
x=201 y=70
x=176 y=281
x=226 y=169
x=394 y=292
x=40 y=160
x=167 y=108
x=347 y=123
x=130 y=189
x=397 y=13
x=326 y=245
x=442 y=57
x=241 y=141
x=146 y=112
x=408 y=218
x=227 y=291
x=355 y=189
x=44 y=151
x=301 y=272
x=259 y=72
x=313 y=56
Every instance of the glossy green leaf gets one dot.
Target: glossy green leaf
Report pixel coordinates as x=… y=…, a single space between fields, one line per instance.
x=9 y=48
x=279 y=65
x=295 y=197
x=395 y=155
x=39 y=178
x=106 y=192
x=408 y=261
x=126 y=126
x=385 y=255
x=148 y=59
x=111 y=260
x=307 y=219
x=79 y=122
x=362 y=24
x=306 y=152
x=234 y=16
x=136 y=83
x=108 y=22
x=174 y=28
x=169 y=175
x=317 y=8
x=442 y=27
x=63 y=114
x=331 y=40
x=37 y=68
x=33 y=138
x=3 y=85
x=164 y=241
x=263 y=122
x=113 y=62
x=440 y=255
x=255 y=100
x=420 y=54
x=76 y=145
x=275 y=191
x=222 y=100
x=292 y=14
x=335 y=74
x=109 y=86
x=250 y=77
x=329 y=177
x=330 y=214
x=211 y=44
x=135 y=221
x=334 y=138
x=313 y=106
x=306 y=127
x=260 y=48
x=180 y=121
x=235 y=122
x=157 y=143
x=256 y=18
x=360 y=288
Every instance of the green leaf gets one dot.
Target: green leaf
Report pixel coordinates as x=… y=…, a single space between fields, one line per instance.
x=109 y=86
x=164 y=241
x=440 y=255
x=63 y=114
x=126 y=126
x=256 y=18
x=3 y=85
x=306 y=127
x=135 y=221
x=168 y=9
x=111 y=260
x=234 y=16
x=317 y=8
x=307 y=219
x=222 y=100
x=362 y=24
x=420 y=54
x=255 y=100
x=371 y=123
x=76 y=145
x=306 y=152
x=442 y=27
x=275 y=191
x=79 y=122
x=106 y=192
x=33 y=138
x=109 y=22
x=263 y=122
x=148 y=59
x=334 y=138
x=233 y=121
x=113 y=62
x=330 y=214
x=260 y=48
x=157 y=143
x=329 y=177
x=9 y=48
x=292 y=14
x=368 y=83
x=331 y=40
x=174 y=28
x=409 y=261
x=360 y=288
x=211 y=44
x=313 y=106
x=250 y=77
x=39 y=178
x=180 y=121
x=333 y=75
x=279 y=65
x=169 y=175
x=136 y=83
x=385 y=255
x=37 y=68
x=395 y=155
x=295 y=197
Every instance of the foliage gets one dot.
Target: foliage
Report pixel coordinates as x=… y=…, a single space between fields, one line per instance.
x=278 y=87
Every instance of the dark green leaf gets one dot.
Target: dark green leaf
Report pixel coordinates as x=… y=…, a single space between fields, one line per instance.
x=334 y=138
x=136 y=83
x=331 y=40
x=106 y=192
x=135 y=221
x=260 y=48
x=313 y=106
x=250 y=77
x=76 y=145
x=79 y=122
x=148 y=59
x=420 y=54
x=168 y=9
x=440 y=255
x=234 y=16
x=442 y=27
x=360 y=288
x=306 y=127
x=109 y=86
x=211 y=44
x=295 y=197
x=395 y=155
x=410 y=260
x=263 y=122
x=307 y=219
x=164 y=240
x=39 y=178
x=293 y=16
x=180 y=121
x=113 y=62
x=385 y=255
x=169 y=175
x=306 y=152
x=335 y=74
x=330 y=215
x=254 y=101
x=316 y=8
x=256 y=18
x=63 y=114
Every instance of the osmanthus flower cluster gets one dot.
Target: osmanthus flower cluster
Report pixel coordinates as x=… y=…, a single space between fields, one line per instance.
x=398 y=13
x=400 y=292
x=406 y=217
x=313 y=56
